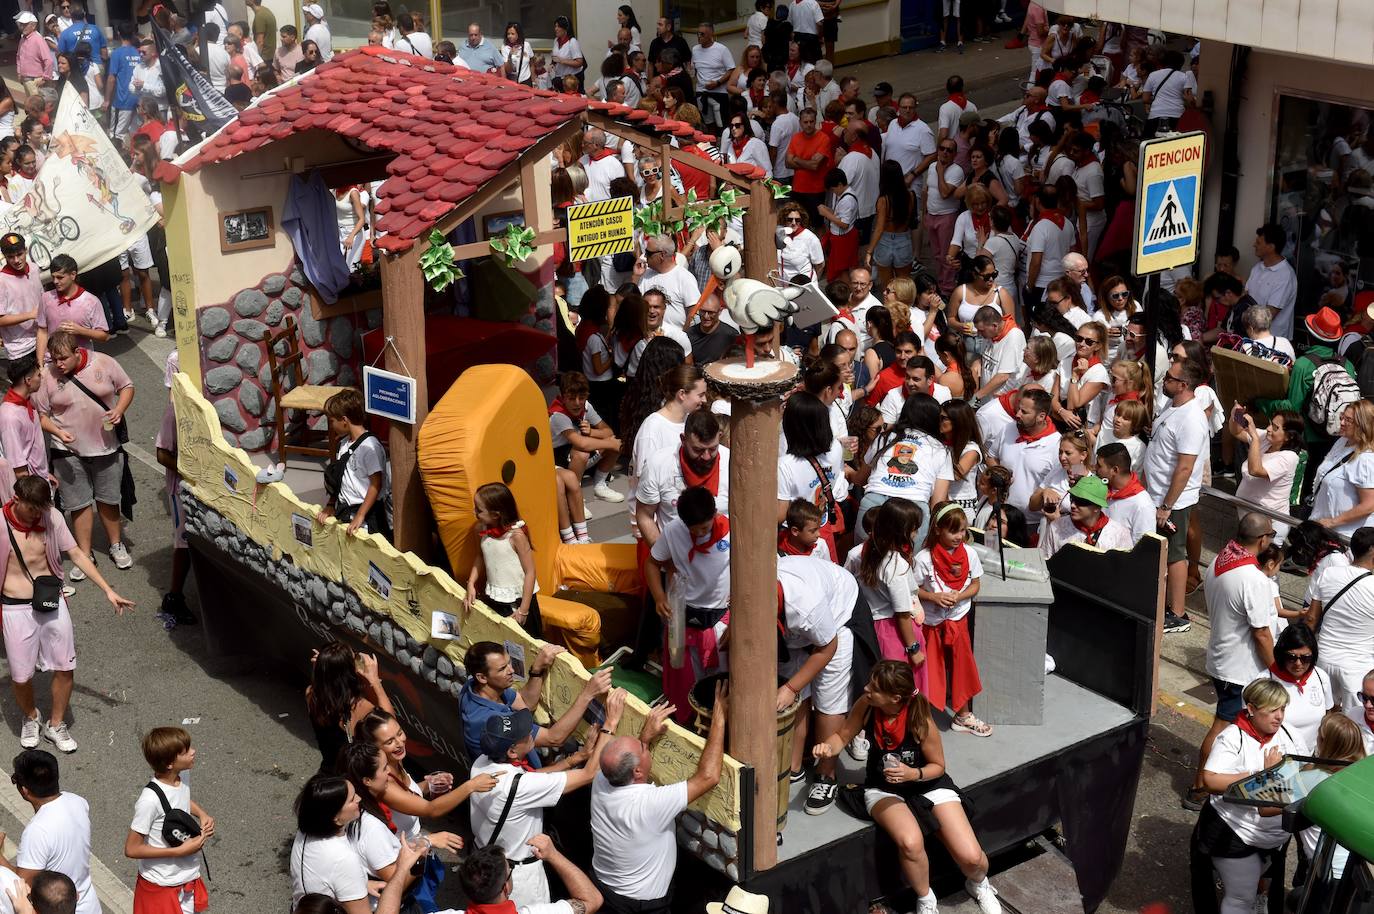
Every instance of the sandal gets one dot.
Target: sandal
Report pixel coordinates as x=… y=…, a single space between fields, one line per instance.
x=968 y=723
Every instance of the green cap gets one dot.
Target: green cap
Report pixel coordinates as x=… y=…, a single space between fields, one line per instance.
x=1091 y=488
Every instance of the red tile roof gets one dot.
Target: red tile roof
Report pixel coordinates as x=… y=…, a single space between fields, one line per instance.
x=452 y=129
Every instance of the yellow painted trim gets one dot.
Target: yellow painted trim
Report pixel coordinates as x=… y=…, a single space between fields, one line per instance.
x=867 y=52
x=177 y=213
x=1185 y=707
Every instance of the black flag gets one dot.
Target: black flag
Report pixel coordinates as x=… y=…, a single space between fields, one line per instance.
x=201 y=104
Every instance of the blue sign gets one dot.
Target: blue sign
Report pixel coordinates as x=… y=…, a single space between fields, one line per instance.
x=1169 y=209
x=389 y=395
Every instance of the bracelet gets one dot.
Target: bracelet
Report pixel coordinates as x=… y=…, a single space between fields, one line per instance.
x=608 y=731
x=913 y=648
x=538 y=674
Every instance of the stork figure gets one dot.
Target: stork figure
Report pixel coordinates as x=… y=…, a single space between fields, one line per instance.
x=754 y=305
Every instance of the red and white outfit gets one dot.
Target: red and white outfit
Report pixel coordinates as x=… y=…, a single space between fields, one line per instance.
x=1132 y=507
x=80 y=307
x=703 y=566
x=951 y=671
x=34 y=638
x=20 y=293
x=166 y=885
x=21 y=436
x=1105 y=534
x=1032 y=459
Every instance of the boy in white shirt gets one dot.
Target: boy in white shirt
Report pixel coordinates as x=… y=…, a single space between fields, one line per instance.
x=800 y=533
x=363 y=497
x=1127 y=501
x=167 y=876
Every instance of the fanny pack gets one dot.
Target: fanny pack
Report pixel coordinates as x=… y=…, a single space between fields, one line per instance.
x=178 y=825
x=47 y=588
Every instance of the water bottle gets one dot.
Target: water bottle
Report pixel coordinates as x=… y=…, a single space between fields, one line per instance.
x=677 y=622
x=891 y=760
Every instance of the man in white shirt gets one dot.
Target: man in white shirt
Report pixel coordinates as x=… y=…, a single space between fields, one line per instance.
x=910 y=143
x=805 y=16
x=860 y=300
x=216 y=57
x=1272 y=282
x=1030 y=450
x=698 y=461
x=1033 y=108
x=1076 y=271
x=633 y=821
x=757 y=22
x=414 y=40
x=860 y=166
x=1127 y=501
x=953 y=108
x=785 y=126
x=600 y=163
x=1345 y=640
x=1173 y=476
x=713 y=64
x=520 y=797
x=487 y=877
x=827 y=88
x=1002 y=360
x=1086 y=522
x=677 y=282
x=58 y=837
x=1092 y=190
x=657 y=304
x=920 y=378
x=1046 y=246
x=943 y=178
x=1241 y=645
x=147 y=76
x=317 y=30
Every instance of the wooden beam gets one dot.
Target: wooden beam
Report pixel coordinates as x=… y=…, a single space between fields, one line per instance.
x=477 y=249
x=403 y=323
x=644 y=140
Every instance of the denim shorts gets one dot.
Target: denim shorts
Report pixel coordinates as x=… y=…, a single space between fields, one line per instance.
x=893 y=250
x=1229 y=701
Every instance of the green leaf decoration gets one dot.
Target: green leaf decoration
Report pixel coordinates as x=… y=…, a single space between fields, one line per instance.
x=514 y=244
x=437 y=263
x=779 y=190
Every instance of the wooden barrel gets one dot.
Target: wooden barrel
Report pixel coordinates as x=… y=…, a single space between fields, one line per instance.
x=702 y=698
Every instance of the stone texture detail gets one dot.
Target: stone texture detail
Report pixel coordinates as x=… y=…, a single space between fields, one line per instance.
x=222 y=349
x=252 y=399
x=214 y=321
x=274 y=284
x=223 y=379
x=229 y=415
x=248 y=358
x=250 y=303
x=250 y=329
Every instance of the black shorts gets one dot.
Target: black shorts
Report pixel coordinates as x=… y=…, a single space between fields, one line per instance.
x=830 y=29
x=562 y=454
x=809 y=45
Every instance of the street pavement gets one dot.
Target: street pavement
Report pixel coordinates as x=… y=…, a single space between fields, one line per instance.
x=247 y=716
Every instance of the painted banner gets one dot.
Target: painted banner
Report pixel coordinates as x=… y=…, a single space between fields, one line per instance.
x=203 y=108
x=84 y=202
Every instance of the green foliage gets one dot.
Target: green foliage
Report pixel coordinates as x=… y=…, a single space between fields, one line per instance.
x=514 y=244
x=437 y=263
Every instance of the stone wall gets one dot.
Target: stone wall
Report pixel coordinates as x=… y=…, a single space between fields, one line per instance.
x=234 y=362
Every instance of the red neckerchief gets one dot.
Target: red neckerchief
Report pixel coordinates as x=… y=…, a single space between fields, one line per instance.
x=1233 y=555
x=30 y=175
x=386 y=817
x=153 y=130
x=860 y=145
x=1024 y=438
x=1007 y=327
x=1246 y=727
x=585 y=329
x=13 y=396
x=1282 y=674
x=890 y=731
x=562 y=41
x=17 y=524
x=493 y=533
x=28 y=268
x=498 y=907
x=76 y=291
x=522 y=763
x=1133 y=487
x=601 y=154
x=720 y=529
x=793 y=233
x=1052 y=216
x=959 y=99
x=83 y=356
x=787 y=547
x=1008 y=401
x=982 y=223
x=782 y=613
x=1089 y=98
x=710 y=480
x=1128 y=395
x=757 y=98
x=557 y=407
x=792 y=68
x=1094 y=361
x=845 y=313
x=1092 y=532
x=951 y=565
x=739 y=145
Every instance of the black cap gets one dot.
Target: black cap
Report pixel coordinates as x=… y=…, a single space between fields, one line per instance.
x=883 y=88
x=11 y=243
x=505 y=730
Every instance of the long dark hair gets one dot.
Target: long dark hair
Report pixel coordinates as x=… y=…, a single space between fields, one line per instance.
x=920 y=413
x=629 y=14
x=894 y=677
x=334 y=685
x=893 y=188
x=894 y=530
x=519 y=34
x=631 y=320
x=315 y=903
x=806 y=425
x=74 y=74
x=1049 y=318
x=358 y=760
x=881 y=320
x=963 y=429
x=644 y=392
x=318 y=803
x=596 y=301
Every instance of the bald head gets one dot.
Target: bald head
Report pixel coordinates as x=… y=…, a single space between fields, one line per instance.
x=847 y=339
x=1037 y=95
x=1254 y=527
x=621 y=761
x=1074 y=262
x=593 y=139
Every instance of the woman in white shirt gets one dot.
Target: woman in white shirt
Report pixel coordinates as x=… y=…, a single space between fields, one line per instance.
x=1271 y=462
x=812 y=465
x=566 y=55
x=910 y=461
x=322 y=858
x=1344 y=484
x=1089 y=385
x=1310 y=696
x=959 y=429
x=1114 y=309
x=1239 y=842
x=1168 y=92
x=740 y=145
x=801 y=253
x=517 y=54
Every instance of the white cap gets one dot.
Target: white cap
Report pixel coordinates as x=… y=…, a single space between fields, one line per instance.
x=313 y=9
x=24 y=17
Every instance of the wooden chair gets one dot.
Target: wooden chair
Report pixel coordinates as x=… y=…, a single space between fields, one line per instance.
x=290 y=392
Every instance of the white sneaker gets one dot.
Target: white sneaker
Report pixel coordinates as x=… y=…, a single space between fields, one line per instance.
x=29 y=733
x=928 y=905
x=160 y=330
x=603 y=491
x=858 y=748
x=60 y=737
x=120 y=555
x=151 y=315
x=986 y=896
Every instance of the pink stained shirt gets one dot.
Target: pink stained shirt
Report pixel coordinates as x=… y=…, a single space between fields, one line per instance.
x=83 y=309
x=34 y=60
x=72 y=411
x=1037 y=24
x=57 y=540
x=20 y=293
x=21 y=439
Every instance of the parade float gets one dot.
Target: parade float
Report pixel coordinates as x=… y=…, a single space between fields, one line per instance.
x=454 y=149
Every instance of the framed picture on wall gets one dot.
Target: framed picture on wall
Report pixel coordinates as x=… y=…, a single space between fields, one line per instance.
x=245 y=229
x=494 y=224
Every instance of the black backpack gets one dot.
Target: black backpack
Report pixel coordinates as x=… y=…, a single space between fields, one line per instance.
x=1359 y=353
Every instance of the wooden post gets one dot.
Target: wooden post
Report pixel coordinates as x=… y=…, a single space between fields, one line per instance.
x=760 y=251
x=403 y=322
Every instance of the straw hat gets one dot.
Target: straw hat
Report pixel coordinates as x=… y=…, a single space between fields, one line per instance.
x=739 y=902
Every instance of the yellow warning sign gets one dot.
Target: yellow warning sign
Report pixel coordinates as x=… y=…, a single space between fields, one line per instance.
x=600 y=228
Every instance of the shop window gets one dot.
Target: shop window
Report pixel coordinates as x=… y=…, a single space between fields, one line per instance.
x=692 y=13
x=1323 y=196
x=351 y=20
x=492 y=15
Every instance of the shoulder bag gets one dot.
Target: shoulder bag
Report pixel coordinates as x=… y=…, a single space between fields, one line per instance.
x=47 y=588
x=334 y=470
x=1340 y=593
x=505 y=810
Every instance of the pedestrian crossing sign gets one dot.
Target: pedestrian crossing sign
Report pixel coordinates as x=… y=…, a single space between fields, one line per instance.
x=1170 y=202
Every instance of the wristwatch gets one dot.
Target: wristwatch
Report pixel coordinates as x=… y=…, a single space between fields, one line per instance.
x=913 y=648
x=608 y=731
x=538 y=674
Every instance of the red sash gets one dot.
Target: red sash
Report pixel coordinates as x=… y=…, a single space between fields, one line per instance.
x=1134 y=487
x=1234 y=556
x=1281 y=674
x=13 y=396
x=1024 y=438
x=1248 y=728
x=557 y=407
x=951 y=565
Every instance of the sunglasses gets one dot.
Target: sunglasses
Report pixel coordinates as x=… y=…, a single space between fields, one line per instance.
x=988 y=276
x=1081 y=503
x=1174 y=378
x=737 y=126
x=793 y=220
x=1365 y=699
x=1085 y=341
x=1119 y=296
x=1298 y=658
x=949 y=149
x=1053 y=302
x=651 y=174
